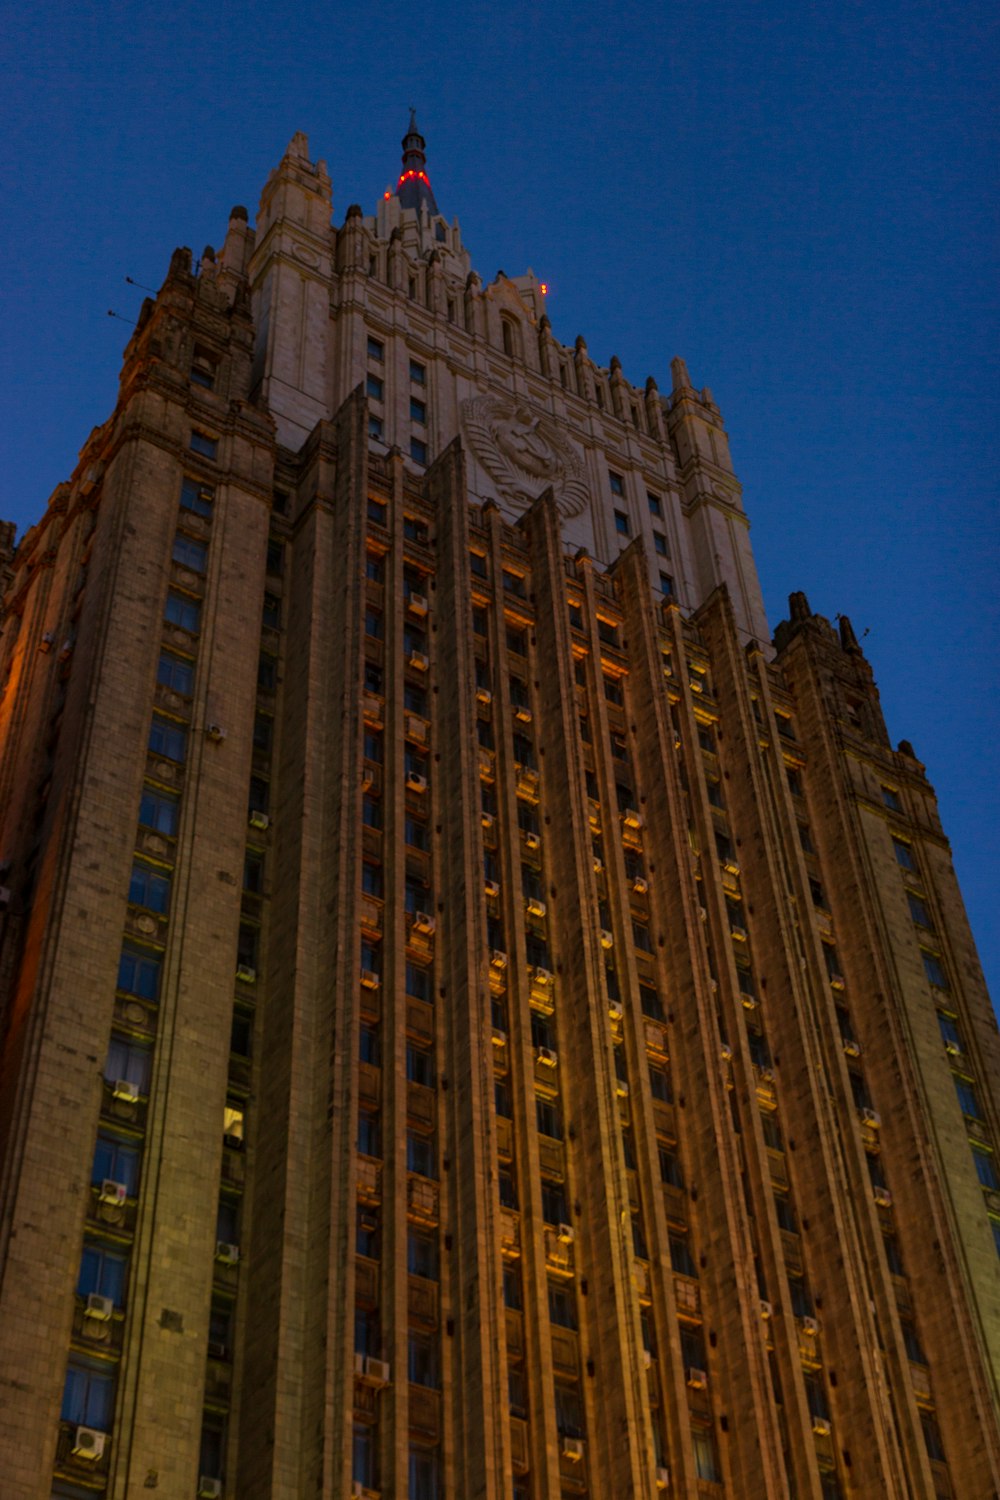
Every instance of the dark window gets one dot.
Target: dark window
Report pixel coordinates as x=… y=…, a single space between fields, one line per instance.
x=175 y=673
x=369 y=1133
x=660 y=544
x=159 y=810
x=149 y=887
x=207 y=446
x=114 y=1161
x=418 y=982
x=418 y=410
x=420 y=1154
x=950 y=1034
x=418 y=373
x=666 y=586
x=507 y=1188
x=267 y=673
x=374 y=623
x=891 y=799
x=377 y=514
x=197 y=498
x=271 y=613
x=655 y=504
x=422 y=1254
x=651 y=1003
x=374 y=566
x=547 y=1117
x=376 y=349
x=190 y=554
x=182 y=611
x=418 y=450
x=102 y=1271
x=419 y=1065
x=681 y=1259
x=904 y=854
x=477 y=564
x=511 y=1286
x=919 y=912
x=369 y=1050
x=139 y=972
x=371 y=879
x=617 y=483
x=129 y=1062
x=670 y=1168
x=375 y=387
x=88 y=1396
x=371 y=812
x=562 y=1305
x=621 y=523
x=554 y=1210
x=785 y=1213
x=967 y=1098
x=168 y=738
x=933 y=970
x=375 y=427
x=659 y=1084
x=569 y=1409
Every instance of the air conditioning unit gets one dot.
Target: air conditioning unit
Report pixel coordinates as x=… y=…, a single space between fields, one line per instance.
x=766 y=1310
x=498 y=959
x=209 y=1488
x=376 y=1371
x=697 y=1379
x=621 y=1088
x=415 y=782
x=113 y=1192
x=631 y=818
x=534 y=907
x=532 y=841
x=484 y=695
x=726 y=1052
x=419 y=661
x=546 y=1056
x=662 y=1478
x=749 y=1001
x=417 y=604
x=259 y=820
x=607 y=939
x=810 y=1326
x=523 y=714
x=871 y=1117
x=696 y=684
x=423 y=922
x=122 y=1089
x=488 y=820
x=357 y=1490
x=883 y=1197
x=952 y=1048
x=731 y=867
x=88 y=1443
x=821 y=1427
x=99 y=1308
x=738 y=933
x=598 y=866
x=647 y=1359
x=370 y=979
x=572 y=1448
x=66 y=649
x=215 y=732
x=541 y=976
x=492 y=887
x=615 y=1010
x=367 y=780
x=851 y=1047
x=227 y=1254
x=640 y=886
x=499 y=1037
x=837 y=982
x=45 y=644
x=245 y=974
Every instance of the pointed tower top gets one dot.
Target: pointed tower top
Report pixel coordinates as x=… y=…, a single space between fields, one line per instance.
x=414 y=187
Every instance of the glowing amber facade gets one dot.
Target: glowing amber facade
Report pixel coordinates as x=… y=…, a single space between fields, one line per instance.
x=479 y=1019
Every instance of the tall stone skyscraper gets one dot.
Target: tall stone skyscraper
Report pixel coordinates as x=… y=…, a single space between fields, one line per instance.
x=479 y=1020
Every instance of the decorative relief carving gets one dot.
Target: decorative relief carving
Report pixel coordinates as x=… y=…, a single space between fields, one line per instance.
x=523 y=453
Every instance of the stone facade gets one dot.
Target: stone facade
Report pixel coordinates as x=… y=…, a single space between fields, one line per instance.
x=477 y=1019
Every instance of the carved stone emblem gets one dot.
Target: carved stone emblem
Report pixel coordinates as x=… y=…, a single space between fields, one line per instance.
x=524 y=453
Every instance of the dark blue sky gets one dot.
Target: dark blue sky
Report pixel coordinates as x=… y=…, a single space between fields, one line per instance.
x=797 y=199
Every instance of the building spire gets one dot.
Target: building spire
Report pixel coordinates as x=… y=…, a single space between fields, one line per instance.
x=414 y=187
